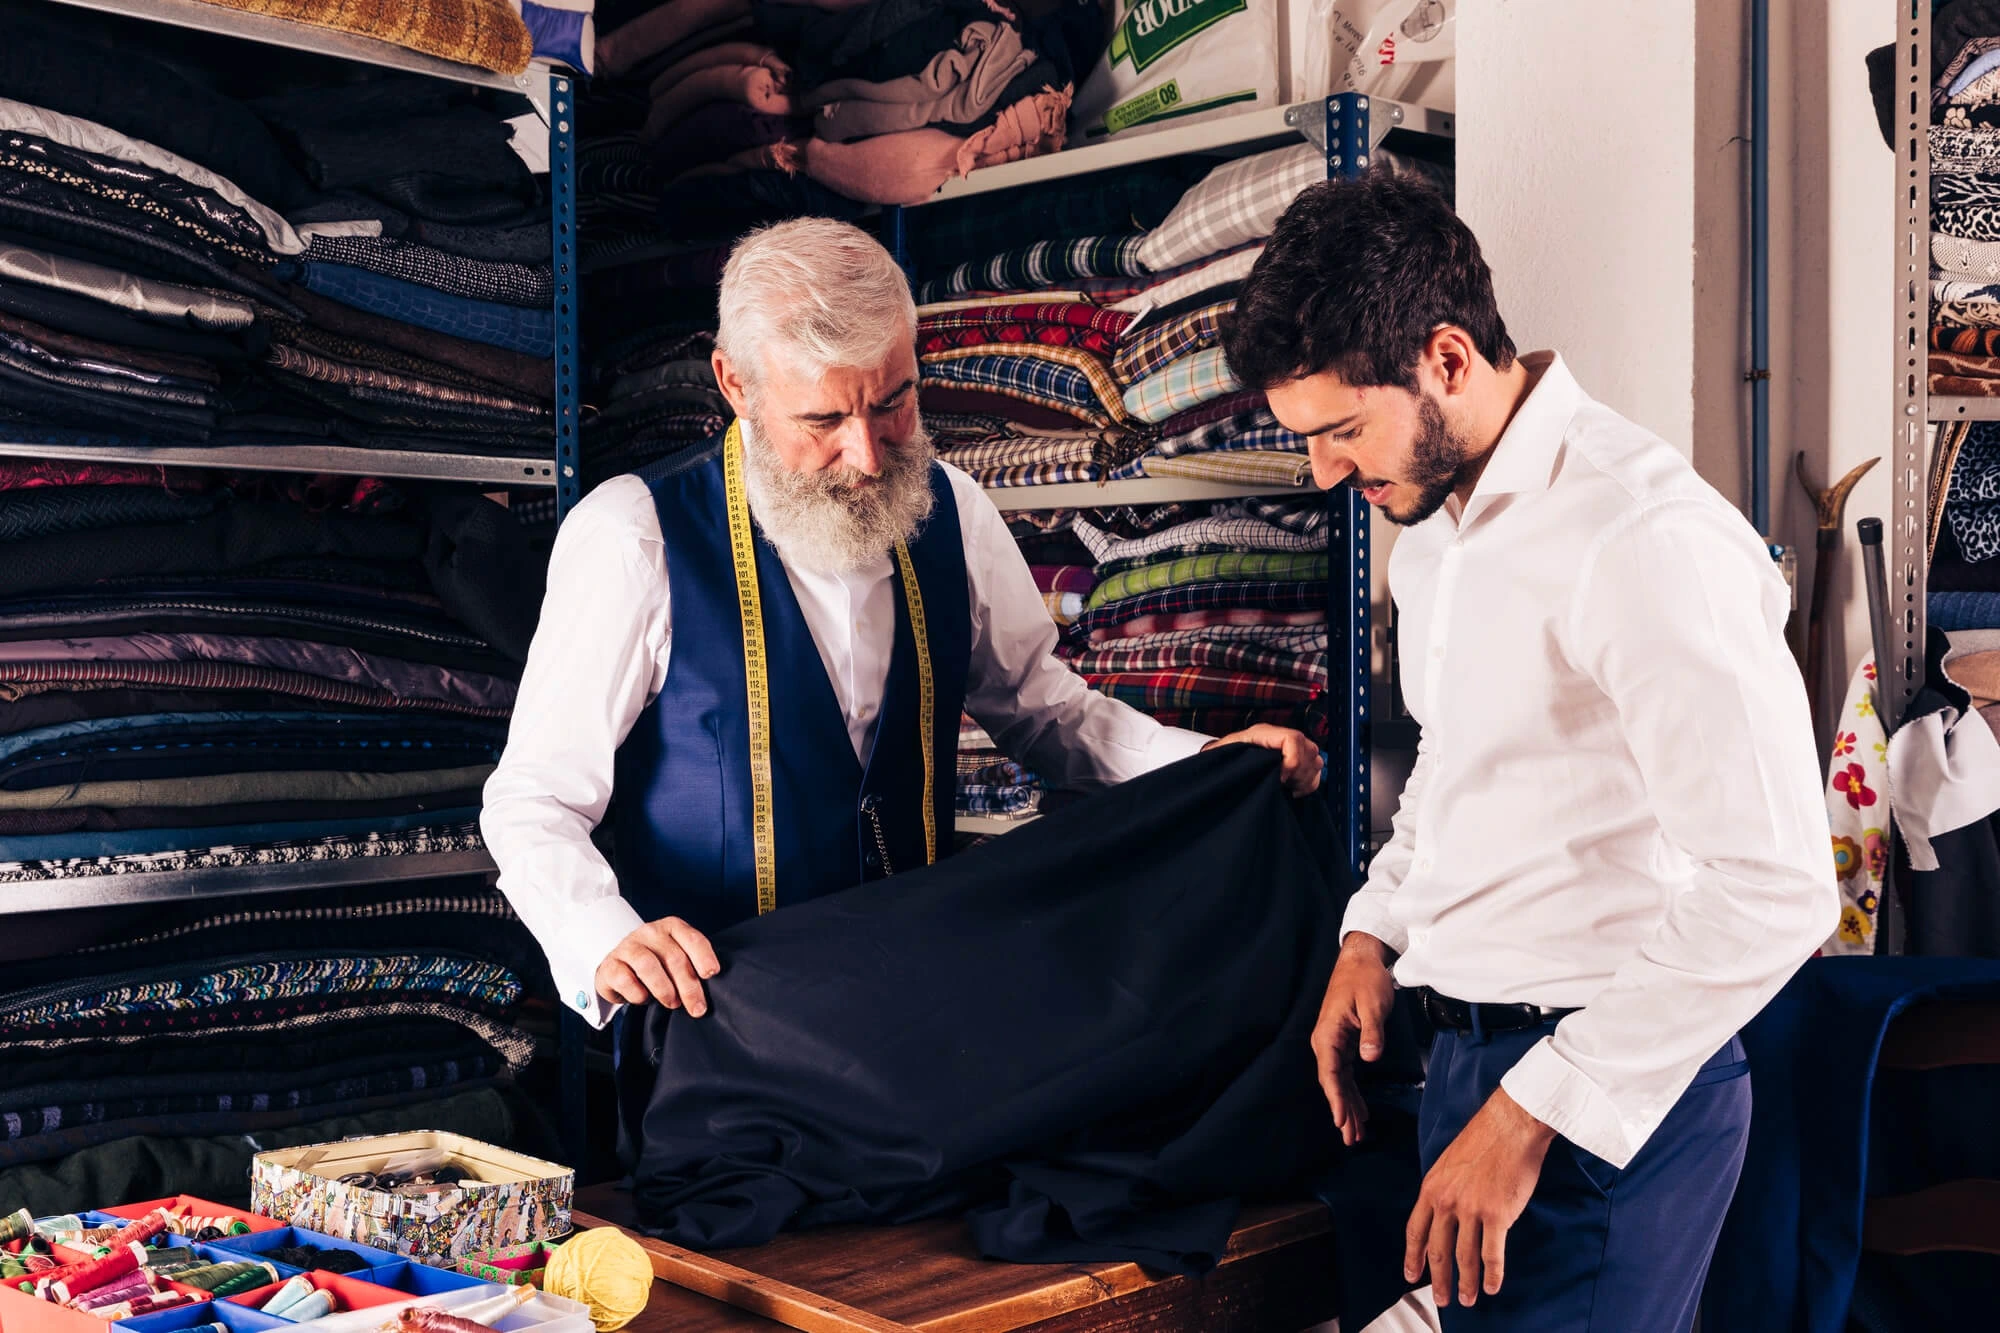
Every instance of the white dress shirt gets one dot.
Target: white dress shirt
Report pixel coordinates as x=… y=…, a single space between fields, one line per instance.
x=600 y=655
x=1616 y=802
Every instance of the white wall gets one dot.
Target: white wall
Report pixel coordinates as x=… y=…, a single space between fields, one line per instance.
x=1576 y=170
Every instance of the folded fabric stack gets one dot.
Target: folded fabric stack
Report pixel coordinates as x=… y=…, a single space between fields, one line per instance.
x=200 y=671
x=1210 y=617
x=990 y=785
x=488 y=33
x=168 y=275
x=1965 y=202
x=1964 y=580
x=139 y=1064
x=651 y=401
x=880 y=101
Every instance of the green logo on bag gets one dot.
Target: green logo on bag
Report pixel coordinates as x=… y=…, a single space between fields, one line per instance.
x=1151 y=28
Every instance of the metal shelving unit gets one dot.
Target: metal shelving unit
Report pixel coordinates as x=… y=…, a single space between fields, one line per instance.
x=1908 y=553
x=1348 y=128
x=551 y=91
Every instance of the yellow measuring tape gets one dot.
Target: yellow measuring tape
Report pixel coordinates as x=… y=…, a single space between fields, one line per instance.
x=757 y=678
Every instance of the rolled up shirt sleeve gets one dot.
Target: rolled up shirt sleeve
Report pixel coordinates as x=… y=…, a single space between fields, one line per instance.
x=1679 y=618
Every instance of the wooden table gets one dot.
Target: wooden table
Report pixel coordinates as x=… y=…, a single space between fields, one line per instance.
x=1277 y=1274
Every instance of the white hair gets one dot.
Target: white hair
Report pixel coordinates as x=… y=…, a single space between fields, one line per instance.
x=817 y=293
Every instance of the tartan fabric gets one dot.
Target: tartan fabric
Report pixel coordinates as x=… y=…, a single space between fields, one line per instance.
x=1199 y=687
x=1214 y=567
x=1116 y=291
x=1020 y=450
x=1238 y=202
x=1219 y=409
x=996 y=800
x=1209 y=622
x=1189 y=382
x=1163 y=344
x=994 y=767
x=1039 y=265
x=1041 y=335
x=1087 y=386
x=1254 y=659
x=1035 y=474
x=1063 y=314
x=1246 y=432
x=1226 y=530
x=1295 y=515
x=1250 y=468
x=22 y=677
x=1221 y=600
x=1296 y=638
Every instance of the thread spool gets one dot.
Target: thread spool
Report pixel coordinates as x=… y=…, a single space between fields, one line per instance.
x=123 y=1289
x=96 y=1272
x=139 y=1232
x=50 y=1228
x=236 y=1286
x=17 y=1226
x=316 y=1306
x=295 y=1289
x=606 y=1270
x=153 y=1304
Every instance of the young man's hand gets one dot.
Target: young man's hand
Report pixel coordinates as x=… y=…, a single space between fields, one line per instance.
x=1358 y=998
x=1473 y=1193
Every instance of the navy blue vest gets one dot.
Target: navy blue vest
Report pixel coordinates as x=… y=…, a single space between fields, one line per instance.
x=682 y=777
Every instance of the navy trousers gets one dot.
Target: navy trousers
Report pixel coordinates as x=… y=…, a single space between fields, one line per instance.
x=1600 y=1250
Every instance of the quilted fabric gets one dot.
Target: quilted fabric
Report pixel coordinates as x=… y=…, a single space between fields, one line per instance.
x=486 y=33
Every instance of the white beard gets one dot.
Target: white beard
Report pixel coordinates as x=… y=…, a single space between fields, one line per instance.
x=819 y=521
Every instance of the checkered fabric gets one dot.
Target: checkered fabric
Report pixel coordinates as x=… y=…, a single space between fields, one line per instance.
x=1109 y=628
x=1012 y=450
x=1106 y=291
x=996 y=801
x=1159 y=346
x=1231 y=268
x=1232 y=531
x=1035 y=474
x=1199 y=687
x=1257 y=431
x=1188 y=382
x=1239 y=201
x=1306 y=514
x=1066 y=378
x=1193 y=650
x=1040 y=265
x=1074 y=324
x=1211 y=567
x=1248 y=468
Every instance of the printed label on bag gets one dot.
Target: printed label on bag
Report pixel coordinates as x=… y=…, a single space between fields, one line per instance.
x=1161 y=103
x=1152 y=28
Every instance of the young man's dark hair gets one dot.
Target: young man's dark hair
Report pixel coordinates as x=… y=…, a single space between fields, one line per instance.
x=1357 y=276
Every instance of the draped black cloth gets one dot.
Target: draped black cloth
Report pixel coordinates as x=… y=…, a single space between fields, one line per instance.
x=1091 y=1032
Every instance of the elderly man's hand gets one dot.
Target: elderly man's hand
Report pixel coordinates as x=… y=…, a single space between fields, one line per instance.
x=1302 y=757
x=663 y=960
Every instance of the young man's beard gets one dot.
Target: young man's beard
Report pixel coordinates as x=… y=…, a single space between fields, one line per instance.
x=1439 y=462
x=823 y=520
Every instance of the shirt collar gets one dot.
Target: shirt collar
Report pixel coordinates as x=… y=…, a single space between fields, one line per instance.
x=1525 y=457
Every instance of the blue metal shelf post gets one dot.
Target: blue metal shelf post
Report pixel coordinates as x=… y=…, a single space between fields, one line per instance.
x=1348 y=588
x=562 y=225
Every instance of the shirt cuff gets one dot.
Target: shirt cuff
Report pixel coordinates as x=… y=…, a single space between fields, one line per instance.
x=1369 y=913
x=1558 y=1094
x=590 y=932
x=1170 y=745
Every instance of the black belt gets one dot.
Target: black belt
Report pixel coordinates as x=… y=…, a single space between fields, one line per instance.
x=1464 y=1016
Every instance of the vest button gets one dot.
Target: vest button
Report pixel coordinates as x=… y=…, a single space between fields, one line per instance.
x=872 y=860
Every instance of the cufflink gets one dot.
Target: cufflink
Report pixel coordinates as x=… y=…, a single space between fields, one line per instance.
x=582 y=1001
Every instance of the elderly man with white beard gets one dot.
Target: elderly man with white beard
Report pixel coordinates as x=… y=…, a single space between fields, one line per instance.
x=762 y=650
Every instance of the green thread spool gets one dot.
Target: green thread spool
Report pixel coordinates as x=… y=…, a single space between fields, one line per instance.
x=239 y=1284
x=17 y=1226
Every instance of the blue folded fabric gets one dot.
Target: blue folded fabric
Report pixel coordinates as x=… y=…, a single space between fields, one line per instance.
x=1050 y=383
x=149 y=842
x=395 y=728
x=567 y=35
x=1965 y=610
x=516 y=328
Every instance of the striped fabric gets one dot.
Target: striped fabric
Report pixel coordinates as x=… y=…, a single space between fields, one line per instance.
x=1301 y=514
x=1040 y=265
x=1073 y=449
x=23 y=678
x=1274 y=632
x=1233 y=531
x=1116 y=291
x=1036 y=474
x=1214 y=567
x=1249 y=468
x=1223 y=600
x=1189 y=382
x=1159 y=346
x=1060 y=296
x=1136 y=655
x=1064 y=314
x=1073 y=379
x=1199 y=687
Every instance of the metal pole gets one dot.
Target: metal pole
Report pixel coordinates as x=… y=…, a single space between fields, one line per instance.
x=1348 y=143
x=1759 y=373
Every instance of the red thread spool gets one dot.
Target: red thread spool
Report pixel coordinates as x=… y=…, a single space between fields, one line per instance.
x=139 y=1232
x=97 y=1272
x=416 y=1320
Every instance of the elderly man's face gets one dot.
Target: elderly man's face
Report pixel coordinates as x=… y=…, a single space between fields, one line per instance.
x=846 y=418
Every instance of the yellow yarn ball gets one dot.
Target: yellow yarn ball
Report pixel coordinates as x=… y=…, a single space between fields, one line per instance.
x=606 y=1270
